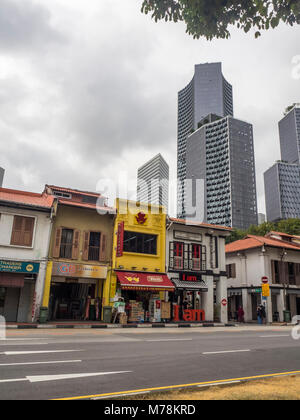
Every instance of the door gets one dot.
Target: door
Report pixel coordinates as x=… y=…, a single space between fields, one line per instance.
x=11 y=304
x=298 y=305
x=2 y=300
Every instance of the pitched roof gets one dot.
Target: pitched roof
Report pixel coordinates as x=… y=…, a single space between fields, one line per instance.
x=252 y=241
x=26 y=198
x=72 y=191
x=207 y=225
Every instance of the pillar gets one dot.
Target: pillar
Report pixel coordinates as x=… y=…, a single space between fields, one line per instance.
x=47 y=285
x=281 y=304
x=208 y=299
x=247 y=305
x=221 y=295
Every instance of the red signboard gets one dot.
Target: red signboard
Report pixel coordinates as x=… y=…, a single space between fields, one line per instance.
x=120 y=239
x=265 y=280
x=143 y=281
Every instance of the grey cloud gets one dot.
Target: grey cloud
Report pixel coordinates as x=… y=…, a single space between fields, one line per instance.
x=25 y=25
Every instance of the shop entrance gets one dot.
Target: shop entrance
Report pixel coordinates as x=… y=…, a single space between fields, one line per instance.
x=74 y=301
x=142 y=306
x=256 y=301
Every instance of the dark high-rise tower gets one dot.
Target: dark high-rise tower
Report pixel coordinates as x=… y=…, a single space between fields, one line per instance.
x=207 y=93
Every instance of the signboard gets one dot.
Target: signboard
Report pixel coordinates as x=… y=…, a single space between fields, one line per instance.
x=190 y=277
x=120 y=239
x=265 y=290
x=224 y=302
x=19 y=267
x=264 y=280
x=79 y=270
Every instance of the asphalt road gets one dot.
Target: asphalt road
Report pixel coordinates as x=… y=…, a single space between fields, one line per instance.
x=35 y=365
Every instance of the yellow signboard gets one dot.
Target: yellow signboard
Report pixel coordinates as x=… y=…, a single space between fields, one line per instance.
x=79 y=270
x=265 y=290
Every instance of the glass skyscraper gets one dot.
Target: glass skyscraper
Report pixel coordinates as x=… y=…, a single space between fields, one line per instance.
x=207 y=93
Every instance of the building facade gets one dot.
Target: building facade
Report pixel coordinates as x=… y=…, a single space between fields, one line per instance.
x=80 y=255
x=153 y=182
x=220 y=153
x=138 y=264
x=282 y=191
x=196 y=265
x=277 y=257
x=1 y=177
x=289 y=132
x=207 y=93
x=25 y=228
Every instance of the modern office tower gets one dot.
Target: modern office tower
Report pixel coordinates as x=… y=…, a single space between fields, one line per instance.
x=261 y=218
x=1 y=176
x=153 y=182
x=207 y=93
x=289 y=132
x=221 y=153
x=282 y=191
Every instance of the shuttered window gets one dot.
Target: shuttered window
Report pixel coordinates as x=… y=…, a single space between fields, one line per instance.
x=22 y=232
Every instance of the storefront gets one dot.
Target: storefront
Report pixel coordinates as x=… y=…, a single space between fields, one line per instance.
x=17 y=289
x=188 y=297
x=76 y=292
x=145 y=296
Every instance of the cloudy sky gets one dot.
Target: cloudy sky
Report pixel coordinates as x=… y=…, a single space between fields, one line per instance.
x=88 y=89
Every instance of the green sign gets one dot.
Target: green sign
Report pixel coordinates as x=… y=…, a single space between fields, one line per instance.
x=19 y=267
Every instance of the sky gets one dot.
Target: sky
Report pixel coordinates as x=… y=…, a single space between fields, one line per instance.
x=88 y=90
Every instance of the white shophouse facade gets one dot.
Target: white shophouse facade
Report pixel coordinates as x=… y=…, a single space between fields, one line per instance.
x=25 y=228
x=276 y=257
x=195 y=258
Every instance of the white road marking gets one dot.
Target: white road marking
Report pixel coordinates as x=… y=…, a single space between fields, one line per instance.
x=41 y=363
x=275 y=336
x=23 y=344
x=47 y=378
x=16 y=353
x=226 y=351
x=169 y=339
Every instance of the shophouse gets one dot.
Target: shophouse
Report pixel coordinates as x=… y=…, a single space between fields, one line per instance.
x=25 y=227
x=196 y=266
x=80 y=255
x=138 y=265
x=274 y=258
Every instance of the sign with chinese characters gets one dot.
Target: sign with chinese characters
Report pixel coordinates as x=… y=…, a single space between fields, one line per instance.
x=19 y=267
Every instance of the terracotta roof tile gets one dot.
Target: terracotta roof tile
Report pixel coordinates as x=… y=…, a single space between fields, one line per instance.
x=252 y=241
x=187 y=222
x=27 y=198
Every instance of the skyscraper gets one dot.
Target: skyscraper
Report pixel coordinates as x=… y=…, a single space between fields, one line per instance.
x=289 y=132
x=153 y=182
x=221 y=153
x=282 y=191
x=207 y=93
x=1 y=176
x=282 y=180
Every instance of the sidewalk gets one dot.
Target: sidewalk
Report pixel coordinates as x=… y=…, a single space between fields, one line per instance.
x=101 y=325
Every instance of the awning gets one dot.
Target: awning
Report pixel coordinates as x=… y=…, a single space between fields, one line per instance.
x=145 y=281
x=201 y=286
x=11 y=280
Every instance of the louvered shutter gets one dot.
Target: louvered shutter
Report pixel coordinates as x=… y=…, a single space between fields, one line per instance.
x=75 y=247
x=17 y=231
x=28 y=224
x=86 y=242
x=56 y=244
x=103 y=248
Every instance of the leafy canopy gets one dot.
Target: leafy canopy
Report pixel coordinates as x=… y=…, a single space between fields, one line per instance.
x=289 y=226
x=211 y=18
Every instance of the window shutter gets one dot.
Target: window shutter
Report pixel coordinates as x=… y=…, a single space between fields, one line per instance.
x=103 y=247
x=86 y=243
x=56 y=244
x=28 y=230
x=273 y=271
x=17 y=231
x=75 y=248
x=233 y=271
x=228 y=270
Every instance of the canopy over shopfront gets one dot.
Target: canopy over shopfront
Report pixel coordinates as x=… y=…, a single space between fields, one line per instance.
x=145 y=281
x=190 y=285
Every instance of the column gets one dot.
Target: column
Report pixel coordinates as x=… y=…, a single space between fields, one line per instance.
x=208 y=299
x=280 y=305
x=222 y=295
x=47 y=286
x=247 y=305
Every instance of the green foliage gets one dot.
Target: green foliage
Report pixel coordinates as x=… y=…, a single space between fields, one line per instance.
x=289 y=108
x=289 y=226
x=211 y=18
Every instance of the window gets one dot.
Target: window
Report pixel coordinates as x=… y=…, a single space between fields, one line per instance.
x=94 y=246
x=196 y=257
x=66 y=244
x=231 y=271
x=141 y=243
x=22 y=231
x=291 y=270
x=178 y=255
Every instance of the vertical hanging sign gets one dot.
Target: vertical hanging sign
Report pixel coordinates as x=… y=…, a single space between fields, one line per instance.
x=120 y=239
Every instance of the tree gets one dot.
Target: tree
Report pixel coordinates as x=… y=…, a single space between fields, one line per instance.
x=211 y=18
x=289 y=108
